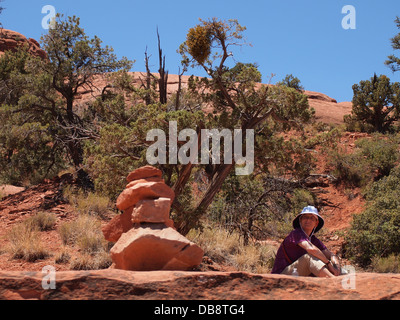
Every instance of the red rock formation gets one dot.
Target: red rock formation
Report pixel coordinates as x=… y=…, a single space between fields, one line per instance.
x=114 y=284
x=11 y=40
x=155 y=247
x=144 y=172
x=144 y=234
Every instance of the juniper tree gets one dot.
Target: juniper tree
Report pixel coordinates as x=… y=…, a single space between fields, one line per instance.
x=291 y=82
x=237 y=98
x=47 y=89
x=393 y=62
x=376 y=104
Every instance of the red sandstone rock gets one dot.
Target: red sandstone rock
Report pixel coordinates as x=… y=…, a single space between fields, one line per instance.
x=155 y=247
x=135 y=182
x=152 y=211
x=147 y=190
x=11 y=40
x=144 y=172
x=117 y=226
x=112 y=284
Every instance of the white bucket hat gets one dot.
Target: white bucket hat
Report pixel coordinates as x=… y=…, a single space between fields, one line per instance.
x=309 y=210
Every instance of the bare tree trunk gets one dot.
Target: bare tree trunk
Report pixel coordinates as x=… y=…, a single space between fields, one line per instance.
x=163 y=81
x=178 y=93
x=147 y=98
x=216 y=184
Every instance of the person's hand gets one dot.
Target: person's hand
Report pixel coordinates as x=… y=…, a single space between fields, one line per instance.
x=334 y=266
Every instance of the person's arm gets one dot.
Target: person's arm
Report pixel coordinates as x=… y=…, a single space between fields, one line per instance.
x=335 y=263
x=314 y=251
x=325 y=255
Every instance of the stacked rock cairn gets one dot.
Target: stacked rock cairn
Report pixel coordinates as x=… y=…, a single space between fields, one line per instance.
x=144 y=235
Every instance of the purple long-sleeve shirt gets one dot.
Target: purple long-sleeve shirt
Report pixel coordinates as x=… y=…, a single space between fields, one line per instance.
x=293 y=250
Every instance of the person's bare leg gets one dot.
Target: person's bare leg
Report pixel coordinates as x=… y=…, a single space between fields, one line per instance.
x=325 y=273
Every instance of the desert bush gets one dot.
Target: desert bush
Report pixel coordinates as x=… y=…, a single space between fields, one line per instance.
x=376 y=231
x=372 y=159
x=251 y=206
x=63 y=256
x=300 y=199
x=258 y=207
x=390 y=264
x=25 y=243
x=101 y=260
x=85 y=234
x=43 y=221
x=381 y=152
x=349 y=168
x=88 y=203
x=84 y=231
x=227 y=248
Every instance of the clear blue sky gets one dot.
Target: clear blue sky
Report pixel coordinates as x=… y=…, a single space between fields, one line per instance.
x=300 y=37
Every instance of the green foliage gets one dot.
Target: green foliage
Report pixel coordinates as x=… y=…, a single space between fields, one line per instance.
x=258 y=206
x=349 y=169
x=380 y=152
x=376 y=231
x=122 y=145
x=376 y=105
x=110 y=158
x=291 y=82
x=243 y=73
x=38 y=102
x=301 y=198
x=27 y=149
x=204 y=37
x=393 y=62
x=372 y=159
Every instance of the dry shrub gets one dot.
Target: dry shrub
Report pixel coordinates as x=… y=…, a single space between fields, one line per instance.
x=227 y=248
x=25 y=243
x=85 y=233
x=101 y=260
x=90 y=203
x=63 y=256
x=390 y=264
x=43 y=221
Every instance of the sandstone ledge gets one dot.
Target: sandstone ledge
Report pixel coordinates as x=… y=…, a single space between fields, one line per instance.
x=176 y=285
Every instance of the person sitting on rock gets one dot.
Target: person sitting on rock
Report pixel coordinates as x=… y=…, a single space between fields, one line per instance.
x=302 y=253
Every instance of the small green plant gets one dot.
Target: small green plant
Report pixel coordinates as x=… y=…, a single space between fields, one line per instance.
x=349 y=168
x=381 y=152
